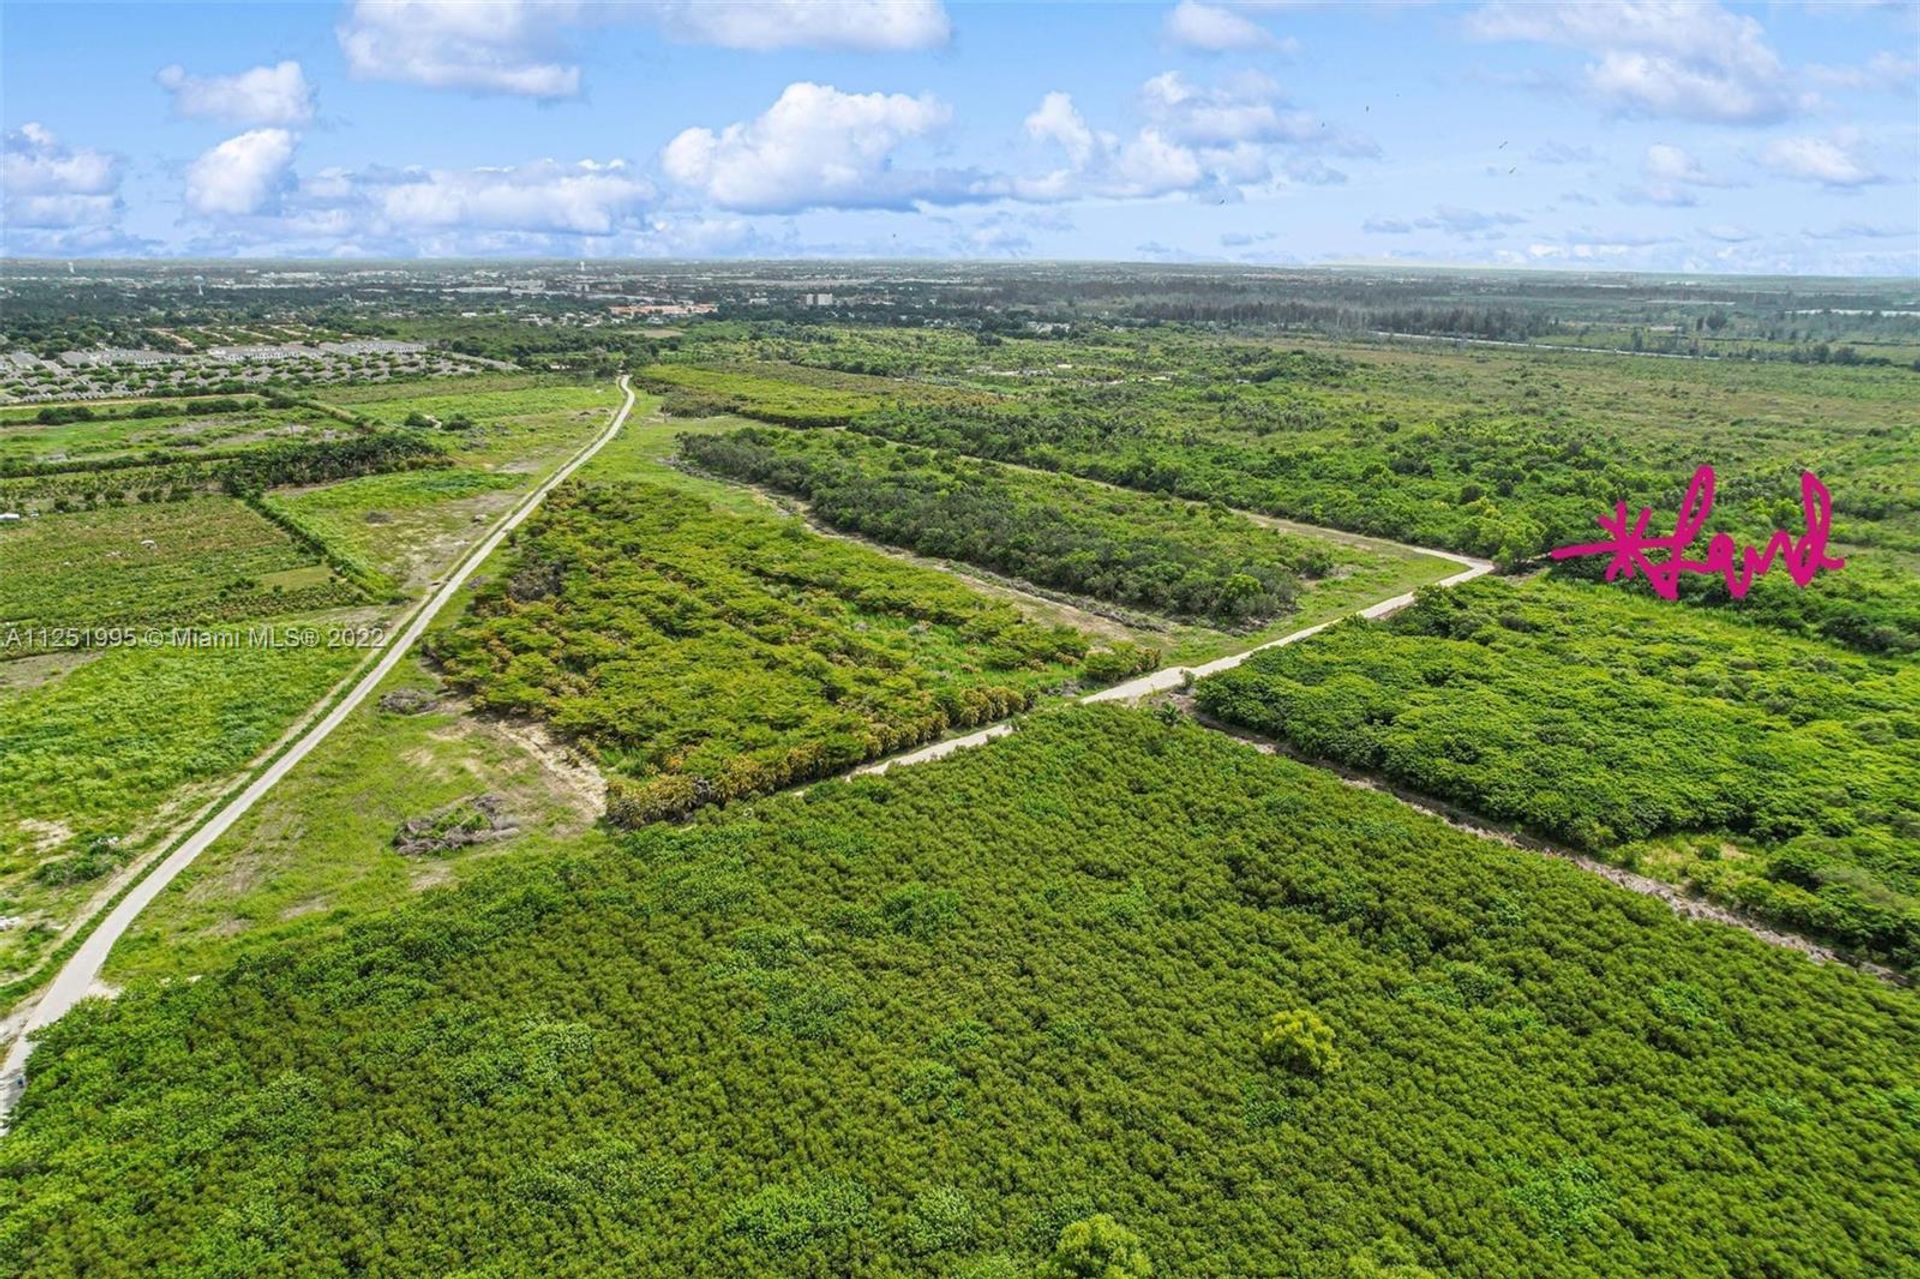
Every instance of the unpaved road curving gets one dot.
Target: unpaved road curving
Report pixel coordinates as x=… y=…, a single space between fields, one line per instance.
x=1684 y=902
x=77 y=976
x=1172 y=677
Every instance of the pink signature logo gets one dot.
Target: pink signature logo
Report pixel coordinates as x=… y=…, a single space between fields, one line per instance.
x=1804 y=556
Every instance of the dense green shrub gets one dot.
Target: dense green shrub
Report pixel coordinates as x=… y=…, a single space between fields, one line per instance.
x=1128 y=548
x=707 y=657
x=1299 y=1041
x=1098 y=1248
x=694 y=1057
x=1629 y=727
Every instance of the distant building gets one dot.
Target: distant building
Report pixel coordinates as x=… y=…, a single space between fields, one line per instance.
x=663 y=308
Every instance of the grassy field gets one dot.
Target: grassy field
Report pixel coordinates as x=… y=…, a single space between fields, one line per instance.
x=514 y=427
x=207 y=559
x=317 y=854
x=407 y=525
x=107 y=753
x=790 y=394
x=25 y=441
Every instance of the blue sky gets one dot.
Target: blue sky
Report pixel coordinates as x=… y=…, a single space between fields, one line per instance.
x=1637 y=134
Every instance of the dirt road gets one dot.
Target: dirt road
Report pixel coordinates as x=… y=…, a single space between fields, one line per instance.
x=77 y=976
x=1172 y=677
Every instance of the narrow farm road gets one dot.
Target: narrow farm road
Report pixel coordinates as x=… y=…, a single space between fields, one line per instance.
x=1173 y=677
x=77 y=976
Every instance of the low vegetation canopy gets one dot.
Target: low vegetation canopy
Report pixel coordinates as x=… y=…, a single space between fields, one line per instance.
x=1007 y=1014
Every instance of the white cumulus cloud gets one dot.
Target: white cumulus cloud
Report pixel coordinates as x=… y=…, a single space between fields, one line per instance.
x=35 y=163
x=523 y=46
x=501 y=47
x=1213 y=139
x=1885 y=70
x=56 y=199
x=586 y=198
x=275 y=95
x=1681 y=58
x=1102 y=164
x=242 y=175
x=870 y=26
x=818 y=147
x=1212 y=28
x=1668 y=172
x=1829 y=161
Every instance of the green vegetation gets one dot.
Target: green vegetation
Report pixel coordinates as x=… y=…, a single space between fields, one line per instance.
x=78 y=433
x=1098 y=1248
x=1169 y=557
x=788 y=394
x=1301 y=1042
x=203 y=560
x=400 y=524
x=1498 y=453
x=925 y=1023
x=1606 y=722
x=317 y=852
x=1117 y=996
x=707 y=657
x=171 y=476
x=98 y=759
x=109 y=743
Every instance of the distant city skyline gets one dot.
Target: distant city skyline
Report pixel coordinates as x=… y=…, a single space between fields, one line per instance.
x=1645 y=135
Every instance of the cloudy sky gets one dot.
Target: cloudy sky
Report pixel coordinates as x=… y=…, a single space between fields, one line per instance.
x=1646 y=134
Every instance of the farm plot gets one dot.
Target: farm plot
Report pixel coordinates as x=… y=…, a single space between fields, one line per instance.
x=496 y=424
x=203 y=560
x=792 y=394
x=404 y=525
x=171 y=427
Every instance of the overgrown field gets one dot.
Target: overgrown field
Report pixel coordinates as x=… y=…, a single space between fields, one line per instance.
x=318 y=851
x=1789 y=769
x=100 y=758
x=1176 y=558
x=709 y=656
x=395 y=524
x=30 y=437
x=791 y=394
x=1503 y=454
x=202 y=560
x=914 y=1025
x=104 y=753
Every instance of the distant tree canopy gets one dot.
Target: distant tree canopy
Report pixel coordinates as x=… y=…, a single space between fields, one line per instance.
x=1503 y=454
x=1128 y=548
